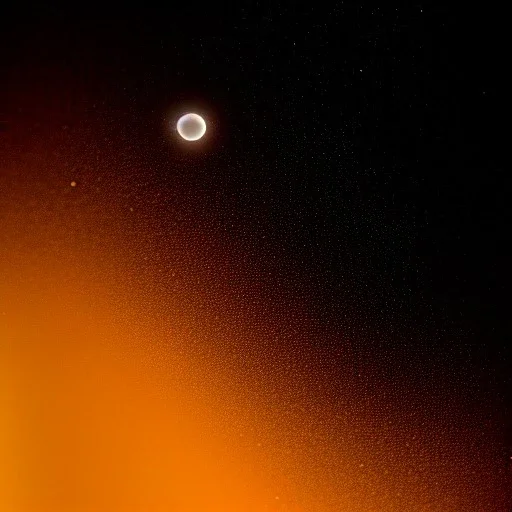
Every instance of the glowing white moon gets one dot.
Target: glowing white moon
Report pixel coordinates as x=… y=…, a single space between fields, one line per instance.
x=191 y=126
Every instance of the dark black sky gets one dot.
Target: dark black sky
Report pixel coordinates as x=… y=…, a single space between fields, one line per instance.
x=358 y=150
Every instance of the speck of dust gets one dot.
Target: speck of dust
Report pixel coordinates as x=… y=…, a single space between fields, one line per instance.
x=73 y=183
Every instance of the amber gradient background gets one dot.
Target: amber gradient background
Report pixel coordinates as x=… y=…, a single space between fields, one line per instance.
x=150 y=363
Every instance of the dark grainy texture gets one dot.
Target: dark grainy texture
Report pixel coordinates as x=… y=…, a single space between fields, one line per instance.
x=302 y=311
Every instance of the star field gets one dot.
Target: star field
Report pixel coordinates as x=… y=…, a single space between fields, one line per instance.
x=291 y=314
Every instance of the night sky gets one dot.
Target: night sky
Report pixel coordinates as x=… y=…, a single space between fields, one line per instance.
x=303 y=311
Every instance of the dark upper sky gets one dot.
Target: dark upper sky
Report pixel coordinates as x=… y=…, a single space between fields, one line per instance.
x=355 y=151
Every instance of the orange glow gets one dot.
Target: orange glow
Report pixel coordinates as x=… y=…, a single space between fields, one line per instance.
x=140 y=373
x=86 y=422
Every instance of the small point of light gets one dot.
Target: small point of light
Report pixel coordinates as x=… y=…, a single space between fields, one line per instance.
x=73 y=183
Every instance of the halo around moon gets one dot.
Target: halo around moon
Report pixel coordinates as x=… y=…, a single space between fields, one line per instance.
x=191 y=127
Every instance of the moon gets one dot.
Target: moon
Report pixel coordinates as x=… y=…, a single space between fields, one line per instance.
x=191 y=127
